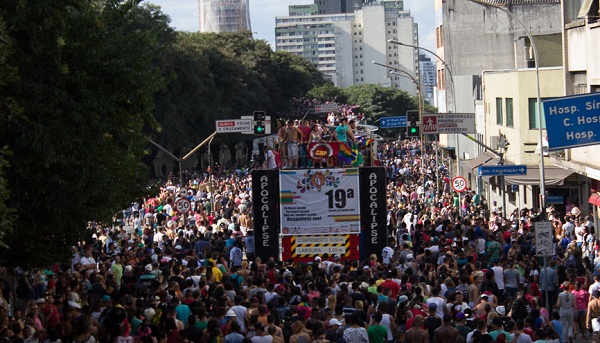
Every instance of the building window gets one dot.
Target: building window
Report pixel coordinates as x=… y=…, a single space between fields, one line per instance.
x=533 y=118
x=509 y=112
x=499 y=111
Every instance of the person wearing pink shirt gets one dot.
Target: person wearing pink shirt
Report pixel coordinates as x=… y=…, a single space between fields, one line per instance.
x=581 y=304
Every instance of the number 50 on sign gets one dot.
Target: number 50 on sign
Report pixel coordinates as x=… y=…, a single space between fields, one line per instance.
x=459 y=184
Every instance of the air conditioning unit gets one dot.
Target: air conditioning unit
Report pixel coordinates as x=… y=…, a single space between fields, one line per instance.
x=494 y=142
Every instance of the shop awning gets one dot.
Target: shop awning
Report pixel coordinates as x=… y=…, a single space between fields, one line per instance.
x=482 y=159
x=553 y=176
x=594 y=199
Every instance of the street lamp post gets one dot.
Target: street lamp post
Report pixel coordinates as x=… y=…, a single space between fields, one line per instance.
x=393 y=41
x=421 y=106
x=539 y=115
x=538 y=100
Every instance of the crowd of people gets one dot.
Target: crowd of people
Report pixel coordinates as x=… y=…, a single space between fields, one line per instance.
x=454 y=270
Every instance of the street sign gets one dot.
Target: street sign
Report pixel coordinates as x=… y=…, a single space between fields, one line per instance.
x=182 y=192
x=234 y=125
x=555 y=199
x=183 y=205
x=267 y=125
x=390 y=122
x=572 y=121
x=333 y=107
x=519 y=169
x=459 y=184
x=544 y=237
x=449 y=123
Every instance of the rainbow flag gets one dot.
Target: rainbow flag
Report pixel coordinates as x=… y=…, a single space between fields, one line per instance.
x=345 y=150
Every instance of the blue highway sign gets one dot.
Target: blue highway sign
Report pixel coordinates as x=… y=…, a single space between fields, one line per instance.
x=389 y=122
x=572 y=121
x=519 y=169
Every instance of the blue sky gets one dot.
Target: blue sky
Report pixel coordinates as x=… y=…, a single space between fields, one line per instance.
x=184 y=16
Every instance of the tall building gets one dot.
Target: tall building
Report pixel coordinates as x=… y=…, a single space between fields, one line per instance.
x=338 y=6
x=343 y=45
x=224 y=15
x=428 y=72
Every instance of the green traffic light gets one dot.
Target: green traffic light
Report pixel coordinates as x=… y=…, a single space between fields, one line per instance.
x=413 y=129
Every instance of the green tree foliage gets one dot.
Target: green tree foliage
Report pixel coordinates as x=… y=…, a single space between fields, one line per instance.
x=327 y=93
x=87 y=72
x=225 y=76
x=7 y=79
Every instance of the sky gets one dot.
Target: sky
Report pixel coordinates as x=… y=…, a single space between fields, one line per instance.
x=184 y=16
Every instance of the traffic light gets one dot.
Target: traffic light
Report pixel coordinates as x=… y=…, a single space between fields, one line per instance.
x=259 y=122
x=412 y=124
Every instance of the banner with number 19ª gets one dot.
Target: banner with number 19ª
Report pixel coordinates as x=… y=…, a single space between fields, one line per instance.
x=319 y=201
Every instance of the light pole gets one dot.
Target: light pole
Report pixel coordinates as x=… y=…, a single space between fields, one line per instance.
x=393 y=41
x=539 y=112
x=538 y=100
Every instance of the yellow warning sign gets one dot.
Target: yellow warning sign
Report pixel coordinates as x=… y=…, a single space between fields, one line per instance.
x=307 y=246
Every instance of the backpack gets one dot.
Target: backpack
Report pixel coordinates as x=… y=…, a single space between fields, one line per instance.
x=235 y=280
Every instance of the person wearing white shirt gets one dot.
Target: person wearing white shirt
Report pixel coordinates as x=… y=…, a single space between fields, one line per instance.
x=498 y=276
x=387 y=253
x=88 y=262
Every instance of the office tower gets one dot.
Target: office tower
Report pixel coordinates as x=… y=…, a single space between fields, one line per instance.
x=224 y=15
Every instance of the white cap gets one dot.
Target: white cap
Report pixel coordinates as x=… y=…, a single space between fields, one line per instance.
x=334 y=321
x=74 y=305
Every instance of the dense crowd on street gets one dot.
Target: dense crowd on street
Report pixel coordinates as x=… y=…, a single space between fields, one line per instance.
x=456 y=269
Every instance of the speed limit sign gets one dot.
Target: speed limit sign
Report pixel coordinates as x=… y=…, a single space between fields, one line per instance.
x=459 y=184
x=183 y=205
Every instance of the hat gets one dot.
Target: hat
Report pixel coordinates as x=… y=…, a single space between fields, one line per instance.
x=230 y=313
x=337 y=257
x=460 y=316
x=280 y=287
x=40 y=301
x=128 y=269
x=106 y=297
x=178 y=247
x=74 y=305
x=432 y=307
x=402 y=299
x=409 y=256
x=318 y=258
x=501 y=310
x=334 y=321
x=149 y=313
x=287 y=273
x=148 y=267
x=483 y=296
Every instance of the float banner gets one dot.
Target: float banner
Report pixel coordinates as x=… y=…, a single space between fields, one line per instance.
x=265 y=186
x=319 y=201
x=374 y=235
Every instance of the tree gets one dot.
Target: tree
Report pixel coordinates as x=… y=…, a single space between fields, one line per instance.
x=87 y=75
x=225 y=76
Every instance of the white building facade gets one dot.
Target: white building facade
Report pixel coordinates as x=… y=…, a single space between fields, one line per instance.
x=342 y=46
